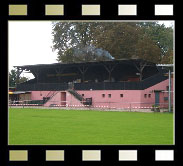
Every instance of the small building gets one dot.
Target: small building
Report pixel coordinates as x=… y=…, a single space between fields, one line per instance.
x=16 y=97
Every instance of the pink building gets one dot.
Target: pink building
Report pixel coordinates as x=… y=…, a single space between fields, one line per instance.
x=116 y=84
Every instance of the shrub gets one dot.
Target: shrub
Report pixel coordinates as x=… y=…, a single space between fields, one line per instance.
x=155 y=108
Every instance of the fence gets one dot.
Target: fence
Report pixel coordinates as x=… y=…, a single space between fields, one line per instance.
x=129 y=106
x=148 y=82
x=42 y=87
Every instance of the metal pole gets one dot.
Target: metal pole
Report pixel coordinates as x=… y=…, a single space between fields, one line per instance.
x=169 y=92
x=130 y=107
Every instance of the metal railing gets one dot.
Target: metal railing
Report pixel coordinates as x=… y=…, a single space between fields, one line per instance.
x=42 y=87
x=144 y=84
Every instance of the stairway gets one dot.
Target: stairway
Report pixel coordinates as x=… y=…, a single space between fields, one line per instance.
x=79 y=97
x=49 y=96
x=75 y=94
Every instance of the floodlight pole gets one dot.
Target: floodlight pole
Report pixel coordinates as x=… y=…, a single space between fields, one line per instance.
x=169 y=89
x=169 y=92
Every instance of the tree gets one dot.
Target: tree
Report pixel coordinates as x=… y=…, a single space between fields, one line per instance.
x=163 y=38
x=12 y=78
x=168 y=57
x=118 y=38
x=147 y=50
x=13 y=81
x=69 y=36
x=73 y=40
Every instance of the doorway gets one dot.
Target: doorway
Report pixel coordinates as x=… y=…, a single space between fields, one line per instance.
x=63 y=99
x=157 y=98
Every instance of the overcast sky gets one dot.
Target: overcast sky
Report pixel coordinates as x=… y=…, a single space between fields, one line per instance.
x=30 y=43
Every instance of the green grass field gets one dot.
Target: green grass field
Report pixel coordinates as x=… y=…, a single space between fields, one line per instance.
x=67 y=127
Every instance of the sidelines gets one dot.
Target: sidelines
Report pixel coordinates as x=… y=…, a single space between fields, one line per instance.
x=56 y=105
x=91 y=106
x=91 y=109
x=107 y=104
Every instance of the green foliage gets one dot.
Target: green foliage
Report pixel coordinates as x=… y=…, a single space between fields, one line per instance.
x=118 y=38
x=67 y=127
x=147 y=40
x=155 y=108
x=14 y=79
x=162 y=36
x=69 y=35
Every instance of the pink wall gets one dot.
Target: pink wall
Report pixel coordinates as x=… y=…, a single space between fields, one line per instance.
x=115 y=100
x=38 y=95
x=57 y=99
x=160 y=86
x=71 y=100
x=130 y=98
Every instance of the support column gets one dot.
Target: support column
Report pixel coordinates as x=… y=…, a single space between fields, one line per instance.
x=110 y=68
x=59 y=71
x=83 y=71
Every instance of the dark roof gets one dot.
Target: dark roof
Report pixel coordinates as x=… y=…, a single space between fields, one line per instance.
x=121 y=61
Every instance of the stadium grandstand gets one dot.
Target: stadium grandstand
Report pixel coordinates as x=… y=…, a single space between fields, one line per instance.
x=117 y=84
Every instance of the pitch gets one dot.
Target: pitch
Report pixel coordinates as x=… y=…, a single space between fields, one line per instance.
x=31 y=126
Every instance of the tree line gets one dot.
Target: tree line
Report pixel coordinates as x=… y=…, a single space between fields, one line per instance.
x=91 y=41
x=15 y=79
x=97 y=41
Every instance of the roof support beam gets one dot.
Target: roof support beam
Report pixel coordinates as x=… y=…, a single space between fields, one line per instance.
x=83 y=70
x=110 y=68
x=59 y=71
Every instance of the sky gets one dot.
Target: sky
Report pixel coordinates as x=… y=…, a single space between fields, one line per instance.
x=30 y=42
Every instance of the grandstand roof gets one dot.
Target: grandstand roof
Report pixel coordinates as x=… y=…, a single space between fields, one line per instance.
x=91 y=63
x=101 y=71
